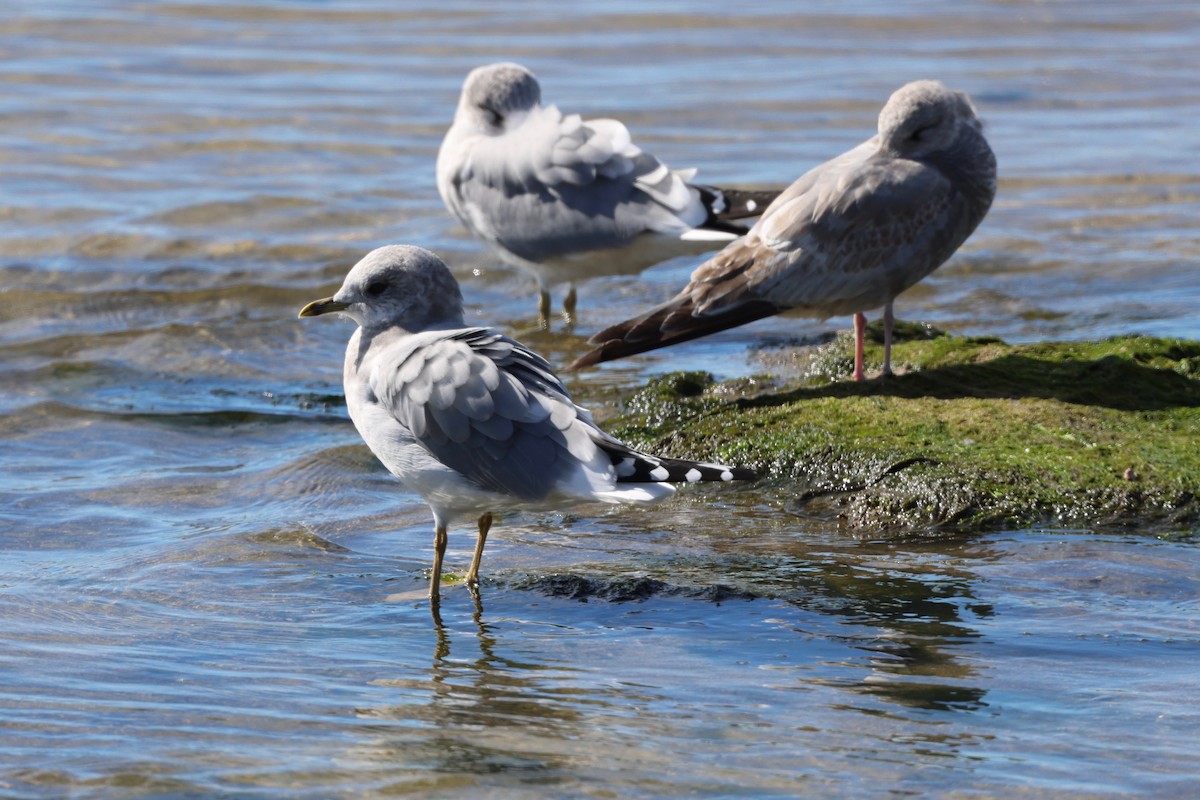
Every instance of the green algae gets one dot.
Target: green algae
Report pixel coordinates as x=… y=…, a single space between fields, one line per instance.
x=973 y=433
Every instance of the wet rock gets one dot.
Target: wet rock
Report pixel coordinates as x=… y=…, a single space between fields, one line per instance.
x=975 y=434
x=626 y=589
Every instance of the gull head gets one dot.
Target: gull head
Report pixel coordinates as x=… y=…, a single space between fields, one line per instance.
x=924 y=118
x=396 y=286
x=495 y=96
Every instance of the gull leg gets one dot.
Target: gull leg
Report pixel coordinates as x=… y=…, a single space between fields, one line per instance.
x=860 y=329
x=485 y=524
x=569 y=304
x=543 y=308
x=888 y=320
x=442 y=649
x=439 y=551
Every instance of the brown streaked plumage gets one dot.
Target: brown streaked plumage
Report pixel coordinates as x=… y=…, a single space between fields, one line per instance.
x=847 y=236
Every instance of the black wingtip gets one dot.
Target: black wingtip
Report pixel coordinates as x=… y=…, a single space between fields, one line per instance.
x=634 y=467
x=658 y=328
x=681 y=471
x=619 y=340
x=743 y=474
x=606 y=352
x=746 y=203
x=726 y=206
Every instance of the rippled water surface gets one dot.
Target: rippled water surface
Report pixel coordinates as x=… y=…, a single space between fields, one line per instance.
x=209 y=588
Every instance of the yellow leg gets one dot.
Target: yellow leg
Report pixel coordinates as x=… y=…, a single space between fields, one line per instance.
x=485 y=524
x=569 y=304
x=439 y=552
x=543 y=309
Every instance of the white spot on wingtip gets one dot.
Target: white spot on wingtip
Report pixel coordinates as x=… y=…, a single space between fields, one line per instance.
x=625 y=467
x=692 y=475
x=659 y=473
x=751 y=205
x=726 y=475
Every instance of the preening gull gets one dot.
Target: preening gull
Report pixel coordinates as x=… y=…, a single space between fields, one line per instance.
x=566 y=198
x=847 y=236
x=470 y=419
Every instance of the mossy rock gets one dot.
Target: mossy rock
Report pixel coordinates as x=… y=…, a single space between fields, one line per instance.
x=973 y=433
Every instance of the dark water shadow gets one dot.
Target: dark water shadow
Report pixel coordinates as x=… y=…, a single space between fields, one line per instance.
x=919 y=623
x=626 y=589
x=474 y=683
x=914 y=625
x=1108 y=382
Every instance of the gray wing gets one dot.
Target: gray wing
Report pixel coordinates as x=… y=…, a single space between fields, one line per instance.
x=854 y=231
x=557 y=185
x=847 y=236
x=487 y=407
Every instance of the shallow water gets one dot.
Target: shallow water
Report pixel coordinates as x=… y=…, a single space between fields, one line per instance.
x=208 y=587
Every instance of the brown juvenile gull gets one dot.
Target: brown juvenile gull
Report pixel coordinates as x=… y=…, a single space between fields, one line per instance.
x=565 y=198
x=470 y=419
x=847 y=236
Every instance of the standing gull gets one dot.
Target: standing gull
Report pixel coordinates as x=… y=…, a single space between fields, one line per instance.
x=847 y=236
x=567 y=199
x=470 y=419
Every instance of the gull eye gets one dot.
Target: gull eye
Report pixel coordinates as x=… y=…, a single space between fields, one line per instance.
x=494 y=117
x=375 y=288
x=919 y=134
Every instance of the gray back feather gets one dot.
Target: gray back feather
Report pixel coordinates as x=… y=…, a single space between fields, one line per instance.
x=544 y=184
x=487 y=407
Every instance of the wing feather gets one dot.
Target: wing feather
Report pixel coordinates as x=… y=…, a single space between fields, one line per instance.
x=475 y=401
x=496 y=427
x=843 y=235
x=846 y=236
x=554 y=184
x=489 y=408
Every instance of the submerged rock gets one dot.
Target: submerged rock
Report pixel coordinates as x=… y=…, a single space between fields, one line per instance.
x=627 y=589
x=972 y=433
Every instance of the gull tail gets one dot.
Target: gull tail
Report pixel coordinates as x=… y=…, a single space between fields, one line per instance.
x=670 y=323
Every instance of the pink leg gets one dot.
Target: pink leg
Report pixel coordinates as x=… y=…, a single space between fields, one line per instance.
x=888 y=319
x=860 y=328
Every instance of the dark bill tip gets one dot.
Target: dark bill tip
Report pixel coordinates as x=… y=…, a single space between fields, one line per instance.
x=324 y=306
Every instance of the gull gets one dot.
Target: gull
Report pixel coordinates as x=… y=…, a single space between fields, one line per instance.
x=470 y=419
x=565 y=198
x=849 y=235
